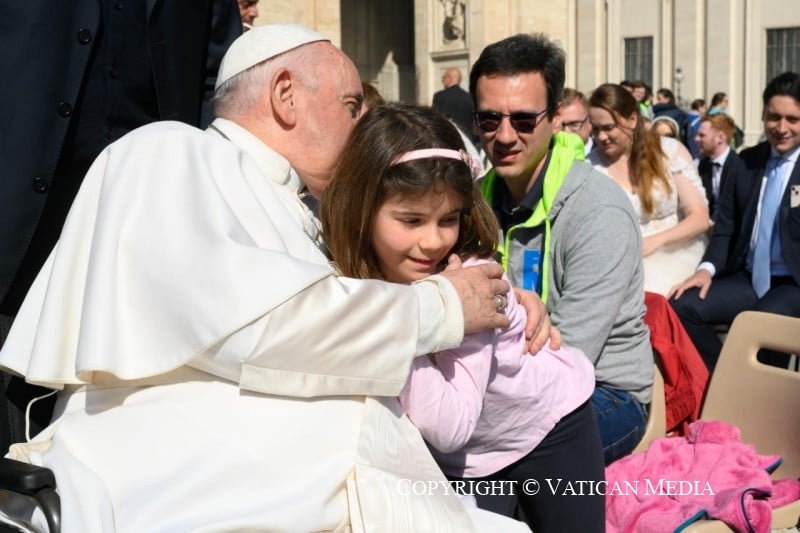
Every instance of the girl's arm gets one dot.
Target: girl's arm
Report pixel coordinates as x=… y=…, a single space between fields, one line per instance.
x=444 y=393
x=443 y=396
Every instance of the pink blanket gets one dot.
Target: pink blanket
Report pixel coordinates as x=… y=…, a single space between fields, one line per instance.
x=678 y=480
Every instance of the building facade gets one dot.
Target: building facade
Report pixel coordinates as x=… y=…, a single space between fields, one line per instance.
x=694 y=47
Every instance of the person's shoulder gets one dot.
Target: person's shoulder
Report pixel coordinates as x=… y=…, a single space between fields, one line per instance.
x=733 y=157
x=154 y=131
x=594 y=191
x=734 y=165
x=670 y=145
x=755 y=155
x=593 y=157
x=158 y=143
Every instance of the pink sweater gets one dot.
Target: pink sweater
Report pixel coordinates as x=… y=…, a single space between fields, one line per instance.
x=678 y=480
x=488 y=403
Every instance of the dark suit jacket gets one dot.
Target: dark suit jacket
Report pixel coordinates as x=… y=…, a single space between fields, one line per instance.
x=456 y=103
x=732 y=167
x=736 y=212
x=45 y=49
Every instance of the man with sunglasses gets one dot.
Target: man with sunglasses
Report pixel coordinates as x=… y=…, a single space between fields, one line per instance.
x=569 y=232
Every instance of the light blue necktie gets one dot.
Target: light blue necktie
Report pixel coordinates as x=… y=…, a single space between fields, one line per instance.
x=766 y=227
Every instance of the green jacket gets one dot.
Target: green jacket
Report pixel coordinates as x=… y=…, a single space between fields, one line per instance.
x=567 y=148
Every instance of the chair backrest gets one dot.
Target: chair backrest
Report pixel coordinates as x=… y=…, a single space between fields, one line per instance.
x=762 y=401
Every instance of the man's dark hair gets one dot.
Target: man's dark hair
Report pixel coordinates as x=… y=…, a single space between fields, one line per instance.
x=521 y=54
x=786 y=84
x=697 y=103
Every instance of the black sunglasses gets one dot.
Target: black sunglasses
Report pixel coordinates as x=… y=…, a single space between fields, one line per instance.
x=522 y=121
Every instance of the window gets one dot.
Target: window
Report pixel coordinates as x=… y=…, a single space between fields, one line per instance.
x=639 y=59
x=783 y=51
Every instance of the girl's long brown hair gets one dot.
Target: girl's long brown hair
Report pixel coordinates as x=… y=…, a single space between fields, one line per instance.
x=646 y=162
x=365 y=178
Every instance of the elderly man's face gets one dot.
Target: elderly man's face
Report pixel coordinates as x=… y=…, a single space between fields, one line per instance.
x=329 y=114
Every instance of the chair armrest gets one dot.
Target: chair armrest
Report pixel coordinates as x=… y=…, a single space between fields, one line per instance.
x=36 y=482
x=24 y=478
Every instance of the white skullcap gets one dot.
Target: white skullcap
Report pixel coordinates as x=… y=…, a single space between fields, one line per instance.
x=262 y=43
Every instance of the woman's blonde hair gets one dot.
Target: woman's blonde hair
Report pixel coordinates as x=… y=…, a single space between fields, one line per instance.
x=647 y=162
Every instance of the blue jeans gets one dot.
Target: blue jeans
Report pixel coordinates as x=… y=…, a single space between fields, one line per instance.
x=621 y=420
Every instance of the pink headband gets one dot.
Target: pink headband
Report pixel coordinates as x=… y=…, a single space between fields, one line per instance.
x=475 y=166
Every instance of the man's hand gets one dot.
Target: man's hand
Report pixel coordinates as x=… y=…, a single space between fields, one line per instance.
x=477 y=287
x=538 y=329
x=700 y=279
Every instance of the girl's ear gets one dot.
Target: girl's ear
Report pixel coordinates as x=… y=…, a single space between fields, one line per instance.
x=283 y=97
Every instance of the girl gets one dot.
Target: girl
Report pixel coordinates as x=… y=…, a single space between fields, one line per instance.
x=401 y=202
x=661 y=181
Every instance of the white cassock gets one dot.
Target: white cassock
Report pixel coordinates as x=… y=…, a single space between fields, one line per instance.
x=217 y=374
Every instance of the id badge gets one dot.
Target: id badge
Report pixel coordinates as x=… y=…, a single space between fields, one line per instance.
x=531 y=266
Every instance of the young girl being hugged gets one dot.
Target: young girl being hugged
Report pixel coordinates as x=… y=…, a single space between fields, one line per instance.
x=402 y=201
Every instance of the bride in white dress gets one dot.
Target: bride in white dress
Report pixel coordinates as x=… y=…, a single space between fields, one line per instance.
x=661 y=180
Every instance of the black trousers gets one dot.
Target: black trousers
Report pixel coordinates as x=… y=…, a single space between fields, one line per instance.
x=563 y=471
x=726 y=298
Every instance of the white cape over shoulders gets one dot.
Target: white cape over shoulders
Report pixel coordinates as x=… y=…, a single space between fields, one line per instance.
x=177 y=279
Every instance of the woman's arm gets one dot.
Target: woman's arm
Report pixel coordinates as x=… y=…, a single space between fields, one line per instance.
x=691 y=201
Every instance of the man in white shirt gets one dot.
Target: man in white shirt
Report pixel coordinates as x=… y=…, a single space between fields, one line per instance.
x=217 y=373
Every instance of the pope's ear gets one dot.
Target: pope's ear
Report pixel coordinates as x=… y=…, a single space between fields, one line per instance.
x=283 y=95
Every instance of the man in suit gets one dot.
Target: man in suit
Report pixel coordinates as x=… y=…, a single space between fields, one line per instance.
x=455 y=103
x=79 y=75
x=753 y=258
x=719 y=161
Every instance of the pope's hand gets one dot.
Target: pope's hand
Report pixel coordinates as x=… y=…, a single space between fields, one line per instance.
x=478 y=287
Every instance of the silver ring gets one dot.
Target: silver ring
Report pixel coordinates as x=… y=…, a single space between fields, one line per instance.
x=500 y=302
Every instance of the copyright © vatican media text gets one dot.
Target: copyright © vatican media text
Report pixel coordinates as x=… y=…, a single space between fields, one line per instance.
x=558 y=487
